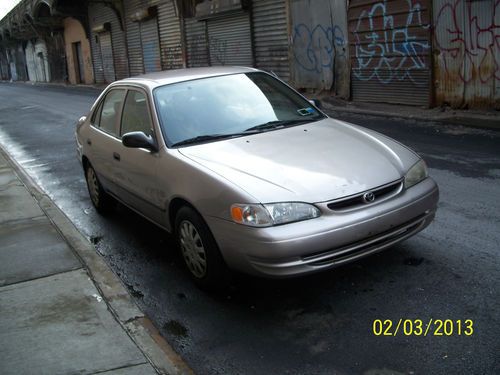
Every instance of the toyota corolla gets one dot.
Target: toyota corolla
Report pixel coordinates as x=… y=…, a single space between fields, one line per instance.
x=249 y=175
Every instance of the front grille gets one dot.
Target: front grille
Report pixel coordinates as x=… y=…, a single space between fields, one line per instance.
x=380 y=193
x=366 y=245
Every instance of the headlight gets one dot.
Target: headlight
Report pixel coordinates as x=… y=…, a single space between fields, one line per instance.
x=416 y=174
x=257 y=215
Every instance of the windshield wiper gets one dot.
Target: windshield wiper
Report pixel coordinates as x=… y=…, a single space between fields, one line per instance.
x=201 y=138
x=254 y=129
x=210 y=137
x=279 y=124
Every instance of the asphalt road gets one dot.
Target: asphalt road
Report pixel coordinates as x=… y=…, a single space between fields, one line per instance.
x=320 y=324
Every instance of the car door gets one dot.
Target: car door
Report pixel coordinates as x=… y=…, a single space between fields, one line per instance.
x=137 y=172
x=103 y=137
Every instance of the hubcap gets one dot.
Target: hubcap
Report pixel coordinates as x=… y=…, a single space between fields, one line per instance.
x=93 y=185
x=192 y=249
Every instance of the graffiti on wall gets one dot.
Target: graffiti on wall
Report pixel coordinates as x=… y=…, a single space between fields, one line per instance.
x=317 y=48
x=172 y=56
x=468 y=36
x=218 y=50
x=388 y=43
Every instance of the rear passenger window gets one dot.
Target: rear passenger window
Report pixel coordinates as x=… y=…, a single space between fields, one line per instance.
x=135 y=116
x=106 y=118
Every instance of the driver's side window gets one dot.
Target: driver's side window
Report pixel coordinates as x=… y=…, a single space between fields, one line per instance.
x=135 y=114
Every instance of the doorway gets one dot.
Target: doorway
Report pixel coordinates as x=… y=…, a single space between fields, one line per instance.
x=78 y=62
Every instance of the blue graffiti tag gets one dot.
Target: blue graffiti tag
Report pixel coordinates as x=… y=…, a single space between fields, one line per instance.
x=387 y=51
x=316 y=49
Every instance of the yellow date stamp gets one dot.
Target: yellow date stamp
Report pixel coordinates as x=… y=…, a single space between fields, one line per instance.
x=419 y=327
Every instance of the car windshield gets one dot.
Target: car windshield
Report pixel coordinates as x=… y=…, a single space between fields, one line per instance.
x=228 y=106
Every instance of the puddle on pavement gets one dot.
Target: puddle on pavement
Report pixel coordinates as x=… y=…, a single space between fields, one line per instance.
x=175 y=328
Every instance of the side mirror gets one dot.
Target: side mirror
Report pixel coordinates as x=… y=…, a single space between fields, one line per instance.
x=315 y=102
x=139 y=140
x=81 y=120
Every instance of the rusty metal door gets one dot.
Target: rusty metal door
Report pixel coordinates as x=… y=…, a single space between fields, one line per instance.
x=467 y=53
x=390 y=44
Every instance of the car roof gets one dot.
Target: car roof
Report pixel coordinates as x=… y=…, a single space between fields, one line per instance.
x=166 y=77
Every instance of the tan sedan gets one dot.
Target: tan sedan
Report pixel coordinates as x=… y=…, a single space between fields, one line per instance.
x=248 y=174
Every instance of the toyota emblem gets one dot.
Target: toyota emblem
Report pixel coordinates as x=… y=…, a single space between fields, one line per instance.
x=368 y=197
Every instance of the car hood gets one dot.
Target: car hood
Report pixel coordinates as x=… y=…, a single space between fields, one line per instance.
x=314 y=162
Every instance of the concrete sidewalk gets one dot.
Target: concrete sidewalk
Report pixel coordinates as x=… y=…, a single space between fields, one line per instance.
x=62 y=310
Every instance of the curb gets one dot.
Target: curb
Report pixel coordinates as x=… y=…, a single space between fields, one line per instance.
x=121 y=305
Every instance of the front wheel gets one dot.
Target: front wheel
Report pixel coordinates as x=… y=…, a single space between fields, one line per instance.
x=100 y=199
x=199 y=250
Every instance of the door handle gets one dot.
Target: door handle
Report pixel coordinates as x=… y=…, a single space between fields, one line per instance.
x=116 y=156
x=89 y=142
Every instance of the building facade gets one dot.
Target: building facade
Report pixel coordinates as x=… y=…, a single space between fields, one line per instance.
x=414 y=52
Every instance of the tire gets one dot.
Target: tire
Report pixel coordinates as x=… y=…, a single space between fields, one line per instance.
x=100 y=199
x=199 y=251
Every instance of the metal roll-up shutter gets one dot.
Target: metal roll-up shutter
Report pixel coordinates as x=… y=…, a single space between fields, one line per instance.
x=169 y=28
x=133 y=37
x=119 y=45
x=150 y=46
x=196 y=43
x=134 y=48
x=99 y=15
x=230 y=40
x=270 y=31
x=95 y=10
x=390 y=47
x=107 y=57
x=97 y=58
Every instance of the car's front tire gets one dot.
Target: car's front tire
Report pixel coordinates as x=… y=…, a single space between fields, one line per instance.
x=100 y=199
x=199 y=250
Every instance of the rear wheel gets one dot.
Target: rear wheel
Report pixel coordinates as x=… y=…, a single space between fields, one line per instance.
x=199 y=250
x=100 y=199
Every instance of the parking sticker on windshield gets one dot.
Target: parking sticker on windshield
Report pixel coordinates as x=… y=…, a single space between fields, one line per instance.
x=305 y=111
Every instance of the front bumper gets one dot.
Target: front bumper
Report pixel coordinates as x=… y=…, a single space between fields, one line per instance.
x=333 y=239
